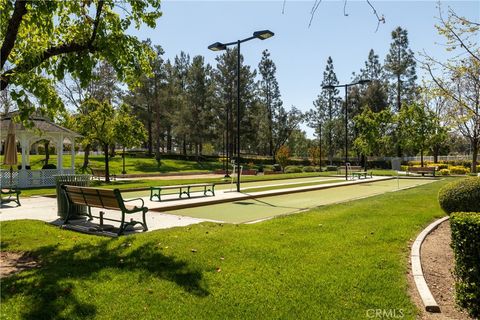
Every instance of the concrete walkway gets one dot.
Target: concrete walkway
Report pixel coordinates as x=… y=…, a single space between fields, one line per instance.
x=45 y=208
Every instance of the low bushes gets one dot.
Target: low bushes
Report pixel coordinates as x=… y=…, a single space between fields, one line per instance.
x=444 y=172
x=331 y=168
x=466 y=246
x=461 y=195
x=458 y=170
x=308 y=169
x=293 y=169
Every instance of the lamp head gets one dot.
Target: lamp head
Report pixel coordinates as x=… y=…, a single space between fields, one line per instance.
x=328 y=87
x=263 y=34
x=364 y=81
x=217 y=46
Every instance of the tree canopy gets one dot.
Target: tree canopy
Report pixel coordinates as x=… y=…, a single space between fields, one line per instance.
x=42 y=41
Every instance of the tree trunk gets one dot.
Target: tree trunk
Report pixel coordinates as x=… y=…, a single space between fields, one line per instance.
x=107 y=172
x=112 y=151
x=86 y=156
x=475 y=144
x=421 y=158
x=184 y=145
x=47 y=152
x=436 y=151
x=150 y=138
x=169 y=139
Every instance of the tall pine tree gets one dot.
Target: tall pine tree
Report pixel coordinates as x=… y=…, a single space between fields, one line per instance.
x=269 y=95
x=400 y=69
x=326 y=108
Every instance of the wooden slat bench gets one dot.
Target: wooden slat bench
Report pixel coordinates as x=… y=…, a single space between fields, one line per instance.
x=101 y=173
x=182 y=190
x=422 y=170
x=10 y=195
x=105 y=199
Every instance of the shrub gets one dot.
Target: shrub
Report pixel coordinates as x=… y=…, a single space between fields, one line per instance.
x=439 y=166
x=292 y=169
x=332 y=168
x=308 y=169
x=282 y=155
x=444 y=172
x=403 y=168
x=461 y=195
x=49 y=166
x=458 y=170
x=466 y=247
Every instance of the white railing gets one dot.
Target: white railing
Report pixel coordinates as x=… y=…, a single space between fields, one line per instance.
x=32 y=178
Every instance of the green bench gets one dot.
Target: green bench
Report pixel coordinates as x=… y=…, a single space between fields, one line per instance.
x=155 y=192
x=10 y=195
x=360 y=174
x=105 y=199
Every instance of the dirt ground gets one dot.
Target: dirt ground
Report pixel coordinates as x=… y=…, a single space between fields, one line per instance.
x=13 y=262
x=437 y=264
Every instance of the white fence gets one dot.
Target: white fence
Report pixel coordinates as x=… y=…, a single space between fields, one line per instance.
x=31 y=178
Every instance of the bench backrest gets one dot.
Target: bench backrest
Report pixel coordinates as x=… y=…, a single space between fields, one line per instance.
x=413 y=169
x=95 y=197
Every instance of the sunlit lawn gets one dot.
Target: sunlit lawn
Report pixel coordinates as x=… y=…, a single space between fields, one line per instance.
x=334 y=262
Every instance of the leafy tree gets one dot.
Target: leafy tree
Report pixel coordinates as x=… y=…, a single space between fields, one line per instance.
x=314 y=156
x=418 y=127
x=458 y=78
x=128 y=130
x=400 y=68
x=180 y=72
x=286 y=123
x=298 y=143
x=103 y=87
x=269 y=93
x=107 y=126
x=44 y=40
x=373 y=132
x=282 y=156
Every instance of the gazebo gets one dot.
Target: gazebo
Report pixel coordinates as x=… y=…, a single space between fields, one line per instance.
x=43 y=129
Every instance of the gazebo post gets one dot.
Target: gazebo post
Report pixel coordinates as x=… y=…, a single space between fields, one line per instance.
x=60 y=153
x=72 y=139
x=22 y=173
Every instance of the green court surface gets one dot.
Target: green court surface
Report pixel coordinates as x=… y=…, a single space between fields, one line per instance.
x=258 y=184
x=262 y=208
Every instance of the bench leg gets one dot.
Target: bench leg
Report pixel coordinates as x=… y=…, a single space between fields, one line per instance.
x=145 y=228
x=101 y=218
x=153 y=194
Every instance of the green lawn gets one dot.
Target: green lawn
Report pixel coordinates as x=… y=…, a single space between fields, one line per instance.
x=334 y=262
x=132 y=164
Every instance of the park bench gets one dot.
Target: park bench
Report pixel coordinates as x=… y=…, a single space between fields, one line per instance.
x=182 y=190
x=351 y=169
x=104 y=199
x=101 y=173
x=421 y=170
x=249 y=172
x=10 y=195
x=360 y=174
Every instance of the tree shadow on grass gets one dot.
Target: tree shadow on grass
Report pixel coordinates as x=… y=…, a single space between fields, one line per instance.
x=48 y=292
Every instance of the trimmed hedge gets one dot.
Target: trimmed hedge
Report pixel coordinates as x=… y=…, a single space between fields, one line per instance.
x=466 y=247
x=308 y=169
x=461 y=195
x=293 y=169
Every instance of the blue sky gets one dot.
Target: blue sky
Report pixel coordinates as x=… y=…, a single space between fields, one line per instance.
x=300 y=52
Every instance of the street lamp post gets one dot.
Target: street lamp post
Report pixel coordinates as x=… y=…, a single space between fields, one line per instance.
x=331 y=87
x=218 y=46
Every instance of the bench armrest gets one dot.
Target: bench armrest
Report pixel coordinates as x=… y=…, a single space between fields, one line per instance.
x=136 y=199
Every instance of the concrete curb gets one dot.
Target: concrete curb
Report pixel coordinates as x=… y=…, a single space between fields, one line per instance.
x=417 y=272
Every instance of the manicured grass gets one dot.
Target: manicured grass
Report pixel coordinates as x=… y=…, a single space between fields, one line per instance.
x=334 y=262
x=132 y=165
